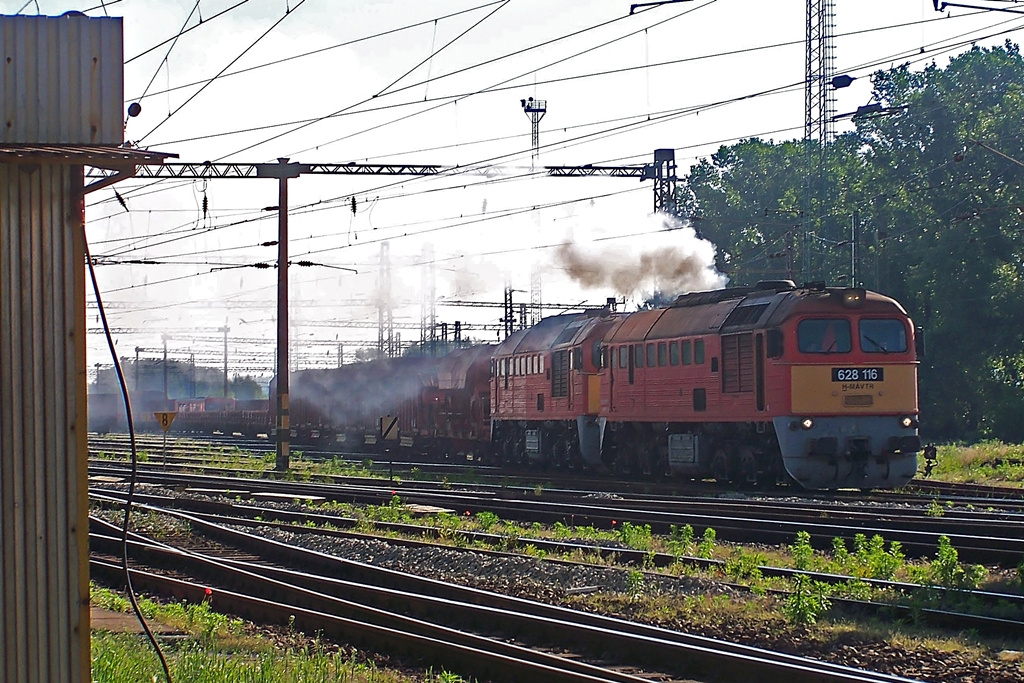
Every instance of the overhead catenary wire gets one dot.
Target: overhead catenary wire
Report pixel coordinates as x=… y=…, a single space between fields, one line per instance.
x=263 y=35
x=446 y=45
x=463 y=95
x=865 y=30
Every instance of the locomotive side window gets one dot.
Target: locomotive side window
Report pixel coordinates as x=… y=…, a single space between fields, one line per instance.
x=823 y=336
x=638 y=355
x=596 y=353
x=673 y=353
x=879 y=335
x=651 y=359
x=577 y=358
x=623 y=357
x=698 y=352
x=687 y=353
x=662 y=354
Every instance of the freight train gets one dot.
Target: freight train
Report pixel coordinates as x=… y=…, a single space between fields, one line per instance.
x=750 y=385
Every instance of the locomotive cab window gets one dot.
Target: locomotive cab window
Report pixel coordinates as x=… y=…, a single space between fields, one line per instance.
x=830 y=335
x=651 y=356
x=638 y=355
x=687 y=353
x=878 y=335
x=673 y=353
x=698 y=352
x=662 y=354
x=623 y=357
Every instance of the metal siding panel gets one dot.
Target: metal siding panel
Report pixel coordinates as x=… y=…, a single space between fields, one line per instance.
x=8 y=649
x=44 y=571
x=64 y=82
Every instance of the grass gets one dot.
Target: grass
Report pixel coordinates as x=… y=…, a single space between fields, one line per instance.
x=989 y=462
x=218 y=649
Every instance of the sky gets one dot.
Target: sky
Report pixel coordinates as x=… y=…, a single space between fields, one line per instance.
x=441 y=82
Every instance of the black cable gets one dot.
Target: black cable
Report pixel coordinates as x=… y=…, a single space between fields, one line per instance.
x=135 y=460
x=345 y=112
x=357 y=104
x=499 y=86
x=208 y=83
x=173 y=43
x=868 y=65
x=322 y=49
x=644 y=123
x=446 y=45
x=182 y=32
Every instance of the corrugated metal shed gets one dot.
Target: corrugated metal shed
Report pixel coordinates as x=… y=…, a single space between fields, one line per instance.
x=44 y=573
x=61 y=95
x=61 y=80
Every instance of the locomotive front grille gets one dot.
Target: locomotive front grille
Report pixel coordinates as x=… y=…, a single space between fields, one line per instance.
x=858 y=400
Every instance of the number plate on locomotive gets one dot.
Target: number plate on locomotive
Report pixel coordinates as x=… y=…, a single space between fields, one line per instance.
x=858 y=374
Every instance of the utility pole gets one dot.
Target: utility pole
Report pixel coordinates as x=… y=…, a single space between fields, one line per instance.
x=225 y=330
x=385 y=310
x=508 y=317
x=164 y=337
x=853 y=247
x=663 y=172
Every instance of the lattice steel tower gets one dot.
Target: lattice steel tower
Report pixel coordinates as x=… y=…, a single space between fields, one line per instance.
x=386 y=344
x=428 y=302
x=819 y=112
x=535 y=109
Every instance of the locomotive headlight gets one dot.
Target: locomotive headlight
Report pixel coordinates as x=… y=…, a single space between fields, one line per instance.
x=853 y=297
x=908 y=421
x=807 y=423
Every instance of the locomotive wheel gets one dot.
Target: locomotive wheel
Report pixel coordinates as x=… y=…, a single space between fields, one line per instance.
x=721 y=468
x=748 y=465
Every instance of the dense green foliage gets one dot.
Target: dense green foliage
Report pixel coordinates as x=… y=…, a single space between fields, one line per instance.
x=930 y=194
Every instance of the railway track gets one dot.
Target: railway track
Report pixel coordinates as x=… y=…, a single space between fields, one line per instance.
x=194 y=452
x=980 y=537
x=228 y=513
x=464 y=629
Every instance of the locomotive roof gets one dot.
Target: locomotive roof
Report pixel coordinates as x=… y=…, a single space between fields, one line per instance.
x=734 y=309
x=540 y=337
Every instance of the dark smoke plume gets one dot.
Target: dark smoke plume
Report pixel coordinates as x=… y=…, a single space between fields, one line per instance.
x=672 y=262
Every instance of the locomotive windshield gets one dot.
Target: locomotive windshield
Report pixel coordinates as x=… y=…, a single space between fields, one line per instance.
x=831 y=335
x=878 y=335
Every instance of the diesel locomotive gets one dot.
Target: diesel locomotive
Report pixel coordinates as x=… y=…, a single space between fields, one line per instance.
x=749 y=384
